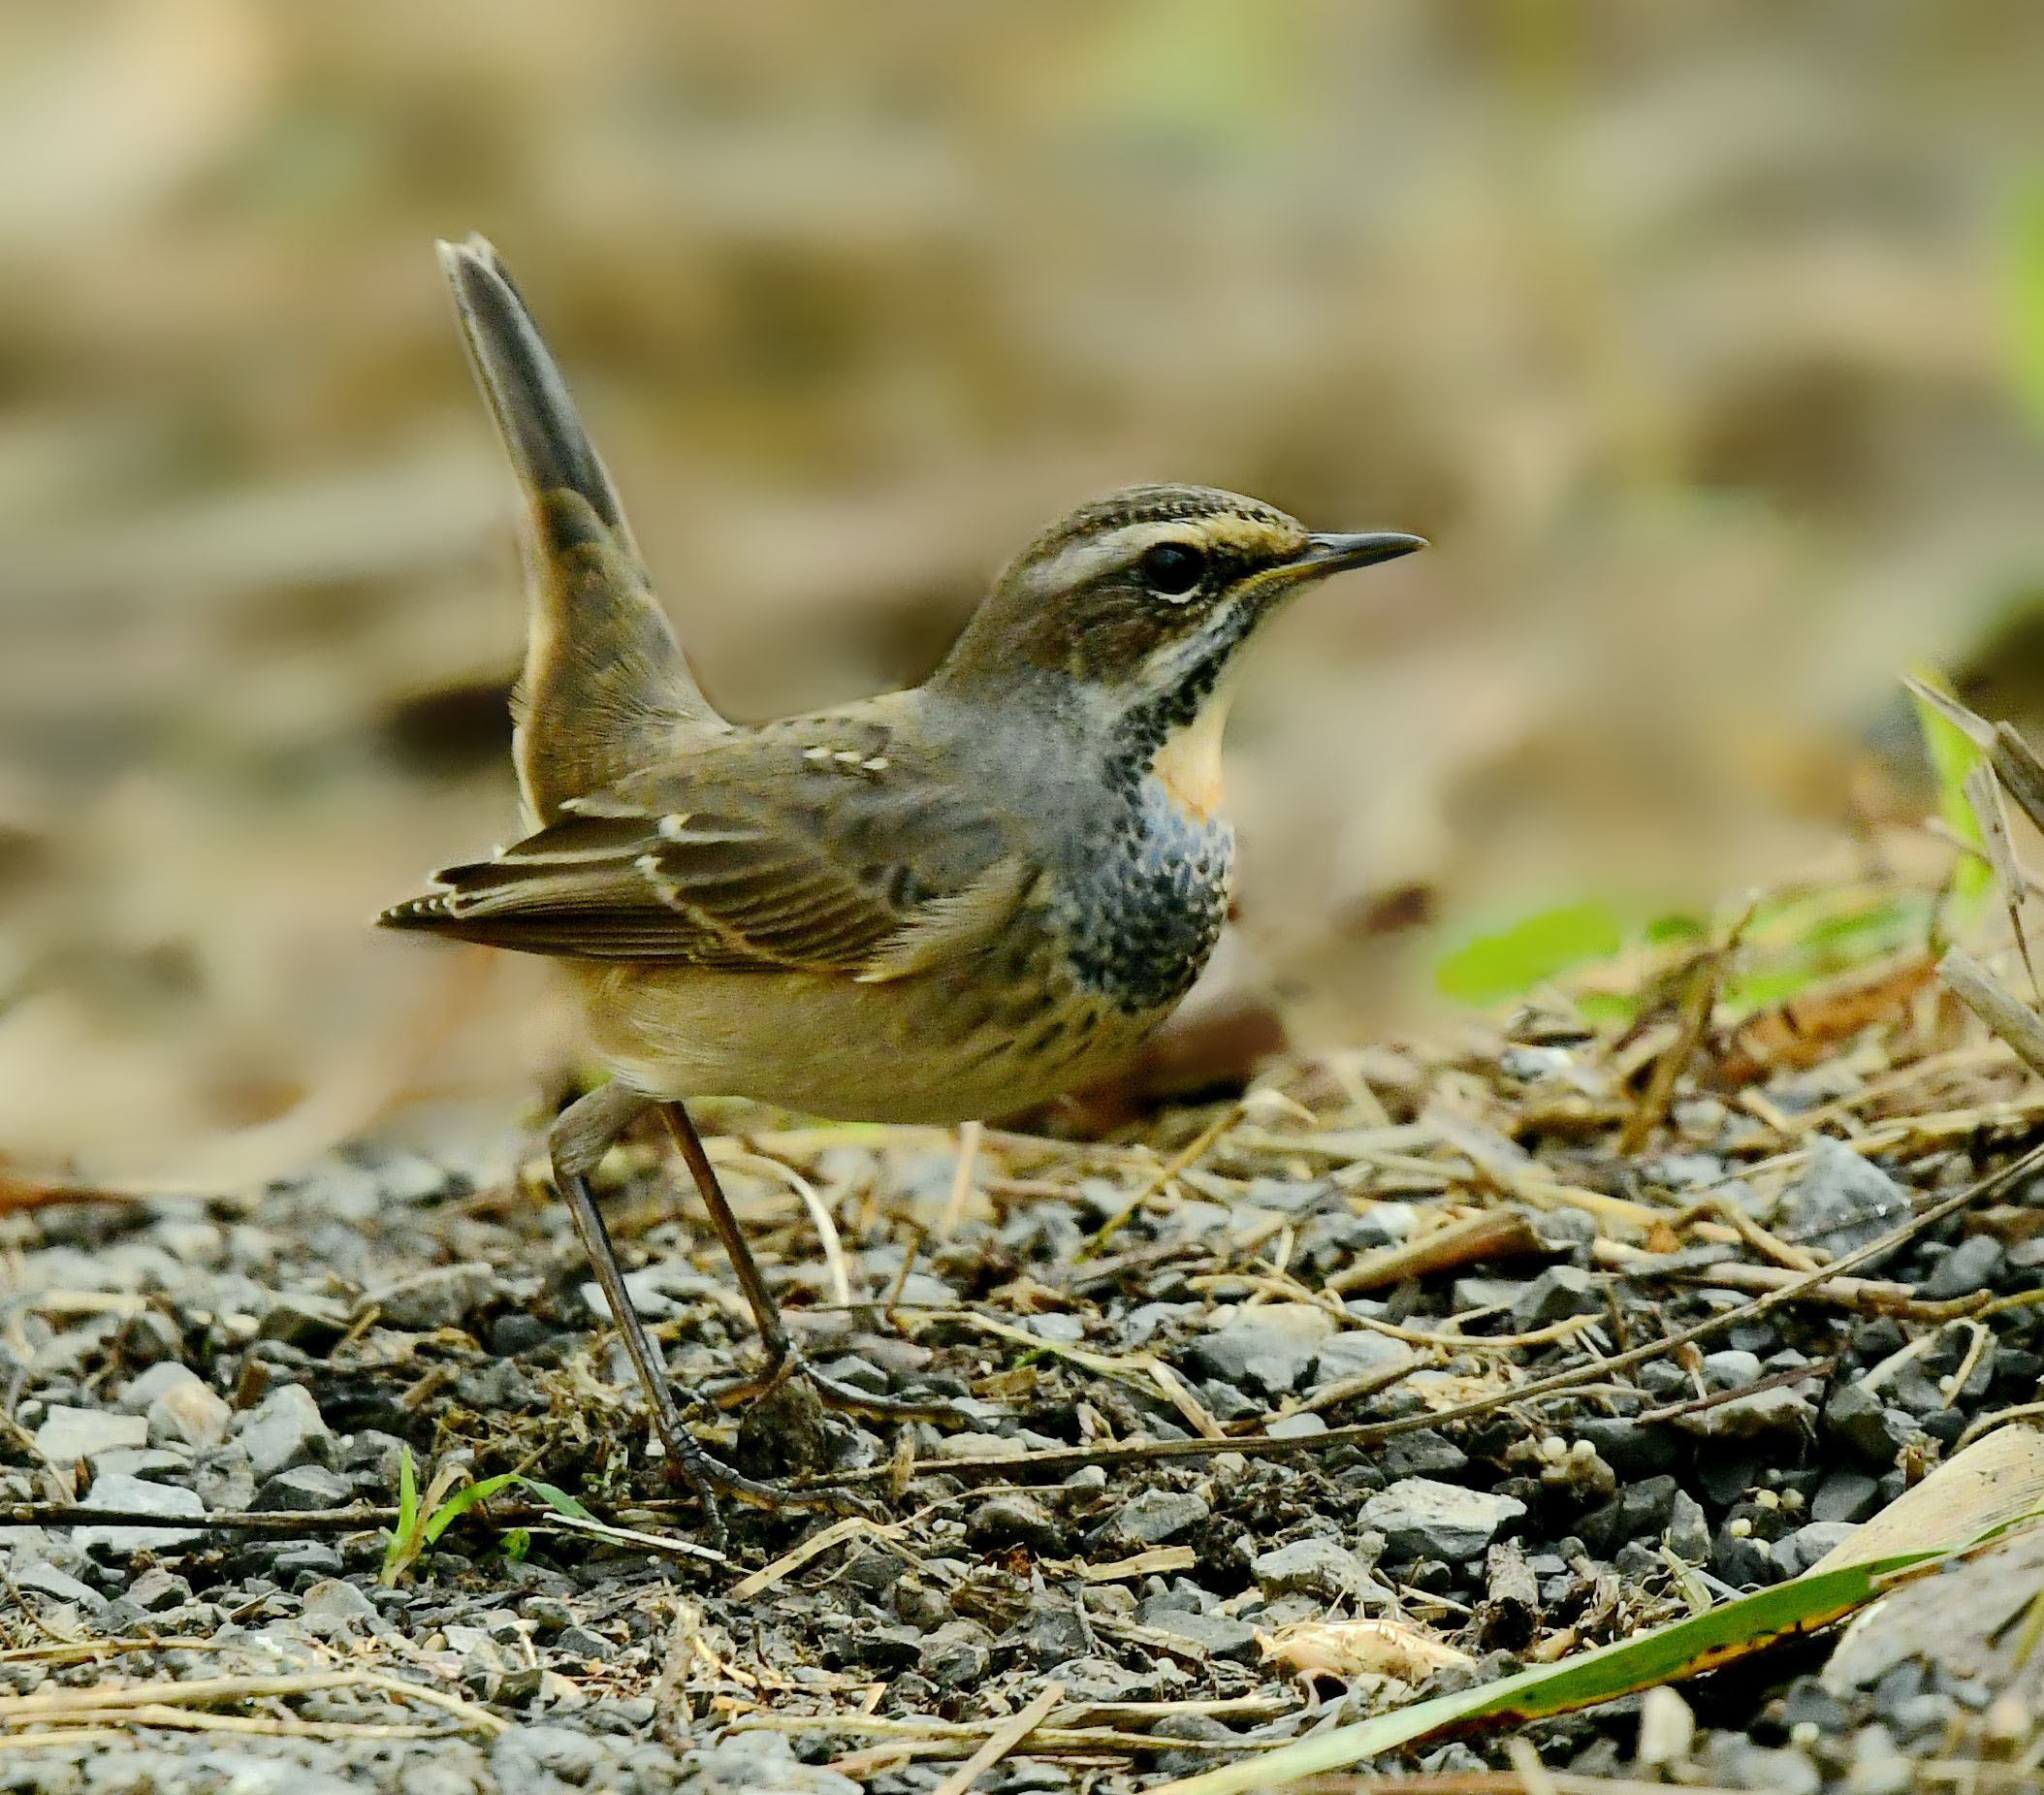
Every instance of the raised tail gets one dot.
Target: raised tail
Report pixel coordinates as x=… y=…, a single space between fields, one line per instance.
x=605 y=689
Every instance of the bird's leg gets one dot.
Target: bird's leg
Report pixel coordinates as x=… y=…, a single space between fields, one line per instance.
x=579 y=1138
x=783 y=1359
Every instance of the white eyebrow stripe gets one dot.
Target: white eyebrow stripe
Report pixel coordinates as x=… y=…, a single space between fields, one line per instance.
x=1087 y=558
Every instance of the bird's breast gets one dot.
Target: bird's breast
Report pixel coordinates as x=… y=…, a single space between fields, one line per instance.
x=1144 y=904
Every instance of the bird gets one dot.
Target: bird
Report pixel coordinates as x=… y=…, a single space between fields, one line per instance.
x=934 y=906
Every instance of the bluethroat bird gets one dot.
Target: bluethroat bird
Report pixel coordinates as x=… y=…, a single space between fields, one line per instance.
x=938 y=905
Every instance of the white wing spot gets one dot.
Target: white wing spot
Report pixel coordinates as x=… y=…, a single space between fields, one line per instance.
x=847 y=756
x=674 y=825
x=815 y=754
x=877 y=764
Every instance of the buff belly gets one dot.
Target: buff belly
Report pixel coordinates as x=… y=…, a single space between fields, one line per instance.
x=932 y=1048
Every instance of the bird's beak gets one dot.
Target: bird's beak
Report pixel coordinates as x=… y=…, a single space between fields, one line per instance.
x=1334 y=551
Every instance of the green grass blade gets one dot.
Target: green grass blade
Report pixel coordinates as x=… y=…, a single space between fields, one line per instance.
x=558 y=1500
x=1953 y=755
x=1530 y=950
x=401 y=1546
x=1667 y=1654
x=462 y=1500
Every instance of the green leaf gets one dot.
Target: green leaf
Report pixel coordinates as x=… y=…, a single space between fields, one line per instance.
x=558 y=1500
x=1679 y=1649
x=1606 y=1009
x=462 y=1500
x=401 y=1547
x=415 y=1535
x=1531 y=950
x=1793 y=944
x=517 y=1543
x=1669 y=930
x=1953 y=755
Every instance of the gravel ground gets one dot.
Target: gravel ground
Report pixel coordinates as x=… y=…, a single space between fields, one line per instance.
x=1256 y=1284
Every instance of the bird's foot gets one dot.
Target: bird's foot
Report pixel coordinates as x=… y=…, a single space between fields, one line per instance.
x=793 y=1366
x=692 y=1464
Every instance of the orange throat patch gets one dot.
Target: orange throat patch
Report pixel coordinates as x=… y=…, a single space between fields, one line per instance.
x=1188 y=765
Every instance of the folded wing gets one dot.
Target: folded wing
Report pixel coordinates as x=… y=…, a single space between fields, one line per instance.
x=744 y=885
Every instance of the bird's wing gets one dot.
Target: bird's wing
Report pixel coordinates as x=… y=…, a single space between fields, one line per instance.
x=761 y=853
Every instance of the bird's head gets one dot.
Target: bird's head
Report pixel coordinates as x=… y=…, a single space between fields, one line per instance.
x=1139 y=602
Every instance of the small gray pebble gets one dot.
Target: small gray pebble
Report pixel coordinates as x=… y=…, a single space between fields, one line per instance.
x=1688 y=1530
x=1314 y=1566
x=859 y=1373
x=1556 y=1293
x=1221 y=1636
x=1971 y=1267
x=135 y=1496
x=1358 y=1352
x=1858 y=1417
x=304 y=1488
x=45 y=1578
x=1735 y=1759
x=1731 y=1369
x=1016 y=1519
x=158 y=1590
x=308 y=1321
x=1797 y=1552
x=1422 y=1453
x=579 y=1642
x=915 y=1602
x=1048 y=1634
x=1422 y=1519
x=146 y=1386
x=334 y=1610
x=1843 y=1202
x=1157 y=1515
x=1845 y=1495
x=1774 y=1415
x=70 y=1434
x=957 y=1654
x=756 y=1763
x=1744 y=1561
x=284 y=1430
x=444 y=1297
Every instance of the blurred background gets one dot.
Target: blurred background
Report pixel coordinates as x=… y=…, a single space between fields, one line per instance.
x=1704 y=341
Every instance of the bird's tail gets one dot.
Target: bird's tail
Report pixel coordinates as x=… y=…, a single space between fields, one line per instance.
x=605 y=688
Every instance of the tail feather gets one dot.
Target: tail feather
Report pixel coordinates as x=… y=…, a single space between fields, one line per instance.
x=605 y=686
x=523 y=384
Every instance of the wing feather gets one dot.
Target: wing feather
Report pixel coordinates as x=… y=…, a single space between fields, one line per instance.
x=949 y=926
x=715 y=873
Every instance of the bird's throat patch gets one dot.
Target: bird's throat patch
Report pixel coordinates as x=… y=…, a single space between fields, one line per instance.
x=1188 y=762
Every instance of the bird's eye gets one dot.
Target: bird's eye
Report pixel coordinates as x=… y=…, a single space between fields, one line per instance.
x=1172 y=568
